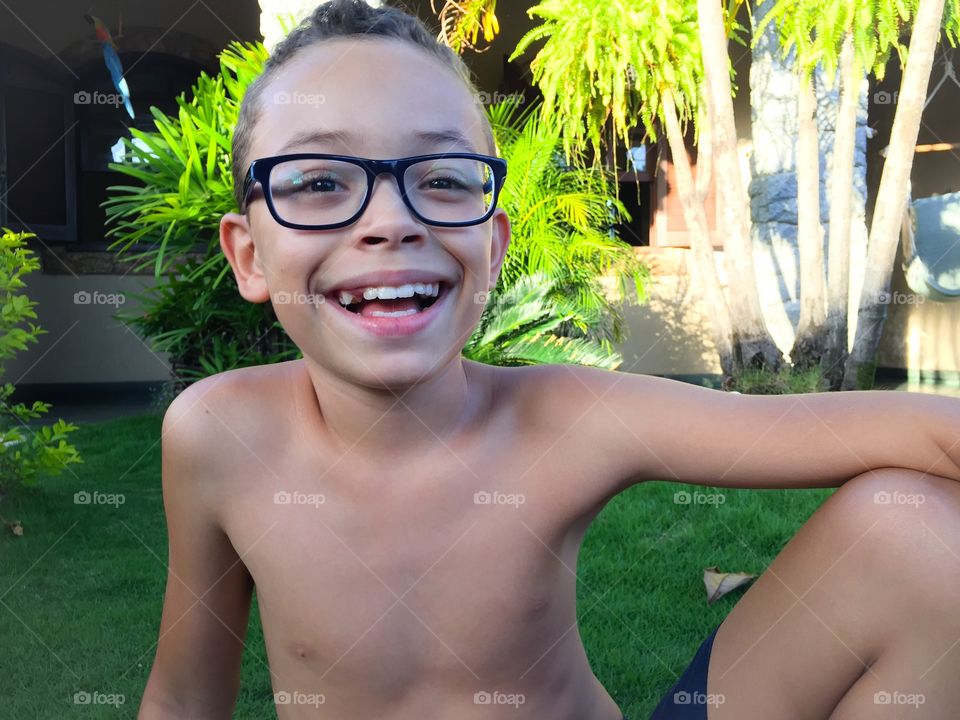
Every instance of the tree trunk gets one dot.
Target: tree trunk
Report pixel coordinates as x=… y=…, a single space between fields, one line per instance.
x=808 y=345
x=841 y=212
x=752 y=344
x=695 y=216
x=892 y=195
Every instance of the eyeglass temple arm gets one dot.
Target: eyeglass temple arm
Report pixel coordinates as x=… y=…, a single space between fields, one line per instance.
x=248 y=187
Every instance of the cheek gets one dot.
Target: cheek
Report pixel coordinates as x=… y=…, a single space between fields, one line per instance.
x=292 y=262
x=473 y=253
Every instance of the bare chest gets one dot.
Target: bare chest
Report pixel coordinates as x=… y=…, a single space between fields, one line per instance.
x=461 y=569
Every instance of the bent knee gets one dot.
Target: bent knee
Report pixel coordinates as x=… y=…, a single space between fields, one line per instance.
x=900 y=491
x=908 y=527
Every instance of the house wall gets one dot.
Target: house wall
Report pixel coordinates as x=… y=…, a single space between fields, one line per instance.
x=84 y=342
x=671 y=334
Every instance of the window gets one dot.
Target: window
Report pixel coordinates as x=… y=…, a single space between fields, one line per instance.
x=59 y=133
x=154 y=80
x=636 y=167
x=36 y=147
x=669 y=227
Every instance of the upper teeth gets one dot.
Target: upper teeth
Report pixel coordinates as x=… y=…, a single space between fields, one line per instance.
x=391 y=293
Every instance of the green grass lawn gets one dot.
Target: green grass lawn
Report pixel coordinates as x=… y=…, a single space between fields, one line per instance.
x=81 y=591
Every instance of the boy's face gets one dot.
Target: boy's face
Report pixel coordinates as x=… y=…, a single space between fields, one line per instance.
x=379 y=97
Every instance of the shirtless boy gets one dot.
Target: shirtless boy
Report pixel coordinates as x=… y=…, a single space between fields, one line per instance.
x=411 y=519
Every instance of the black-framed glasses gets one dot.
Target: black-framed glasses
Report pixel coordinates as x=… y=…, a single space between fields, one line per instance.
x=318 y=191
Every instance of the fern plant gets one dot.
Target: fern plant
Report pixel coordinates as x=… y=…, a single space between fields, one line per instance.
x=461 y=22
x=561 y=213
x=815 y=31
x=518 y=328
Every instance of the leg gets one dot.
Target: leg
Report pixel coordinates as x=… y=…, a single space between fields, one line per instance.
x=858 y=617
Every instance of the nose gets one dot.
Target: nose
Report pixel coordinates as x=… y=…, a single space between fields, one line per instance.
x=387 y=217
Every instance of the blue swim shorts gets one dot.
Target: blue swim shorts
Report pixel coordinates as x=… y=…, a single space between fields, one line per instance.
x=687 y=699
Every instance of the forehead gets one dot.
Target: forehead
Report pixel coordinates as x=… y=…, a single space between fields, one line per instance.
x=366 y=97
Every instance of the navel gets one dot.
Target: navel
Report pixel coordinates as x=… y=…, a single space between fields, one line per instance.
x=300 y=650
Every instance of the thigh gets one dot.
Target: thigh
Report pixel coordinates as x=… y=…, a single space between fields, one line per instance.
x=818 y=619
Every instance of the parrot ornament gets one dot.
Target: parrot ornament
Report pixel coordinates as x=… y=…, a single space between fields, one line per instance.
x=112 y=60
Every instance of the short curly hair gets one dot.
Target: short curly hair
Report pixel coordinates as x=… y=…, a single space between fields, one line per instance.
x=330 y=21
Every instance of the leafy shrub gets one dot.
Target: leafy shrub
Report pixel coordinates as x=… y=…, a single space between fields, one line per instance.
x=170 y=222
x=26 y=453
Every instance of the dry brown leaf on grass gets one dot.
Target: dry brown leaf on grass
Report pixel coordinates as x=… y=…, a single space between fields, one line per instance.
x=15 y=527
x=720 y=583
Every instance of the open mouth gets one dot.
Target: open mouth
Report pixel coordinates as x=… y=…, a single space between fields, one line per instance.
x=391 y=302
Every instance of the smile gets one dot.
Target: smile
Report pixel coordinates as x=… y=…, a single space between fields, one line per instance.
x=392 y=311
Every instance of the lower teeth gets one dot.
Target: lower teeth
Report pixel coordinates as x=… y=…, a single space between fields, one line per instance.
x=398 y=313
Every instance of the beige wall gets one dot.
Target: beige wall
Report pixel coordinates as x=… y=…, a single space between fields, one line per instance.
x=671 y=334
x=84 y=342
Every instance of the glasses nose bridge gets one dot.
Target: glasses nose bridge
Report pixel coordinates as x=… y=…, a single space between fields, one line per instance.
x=392 y=168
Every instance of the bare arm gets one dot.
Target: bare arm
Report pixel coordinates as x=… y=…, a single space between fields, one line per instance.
x=196 y=672
x=659 y=429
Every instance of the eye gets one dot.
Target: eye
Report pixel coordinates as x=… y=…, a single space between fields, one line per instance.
x=448 y=182
x=320 y=184
x=300 y=179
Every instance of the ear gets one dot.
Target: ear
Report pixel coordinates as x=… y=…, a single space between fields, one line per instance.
x=237 y=244
x=500 y=223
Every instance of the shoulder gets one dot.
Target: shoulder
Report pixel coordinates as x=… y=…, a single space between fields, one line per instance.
x=220 y=392
x=551 y=394
x=223 y=408
x=548 y=386
x=212 y=434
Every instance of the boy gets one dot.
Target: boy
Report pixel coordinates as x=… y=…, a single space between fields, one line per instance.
x=411 y=519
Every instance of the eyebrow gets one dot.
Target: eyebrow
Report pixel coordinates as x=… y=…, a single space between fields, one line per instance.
x=425 y=137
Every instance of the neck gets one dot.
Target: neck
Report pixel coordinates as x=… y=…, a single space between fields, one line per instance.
x=383 y=424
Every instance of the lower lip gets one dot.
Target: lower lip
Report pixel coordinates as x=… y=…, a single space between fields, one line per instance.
x=396 y=326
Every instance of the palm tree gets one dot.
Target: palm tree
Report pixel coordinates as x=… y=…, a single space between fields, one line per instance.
x=621 y=64
x=892 y=195
x=855 y=35
x=753 y=344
